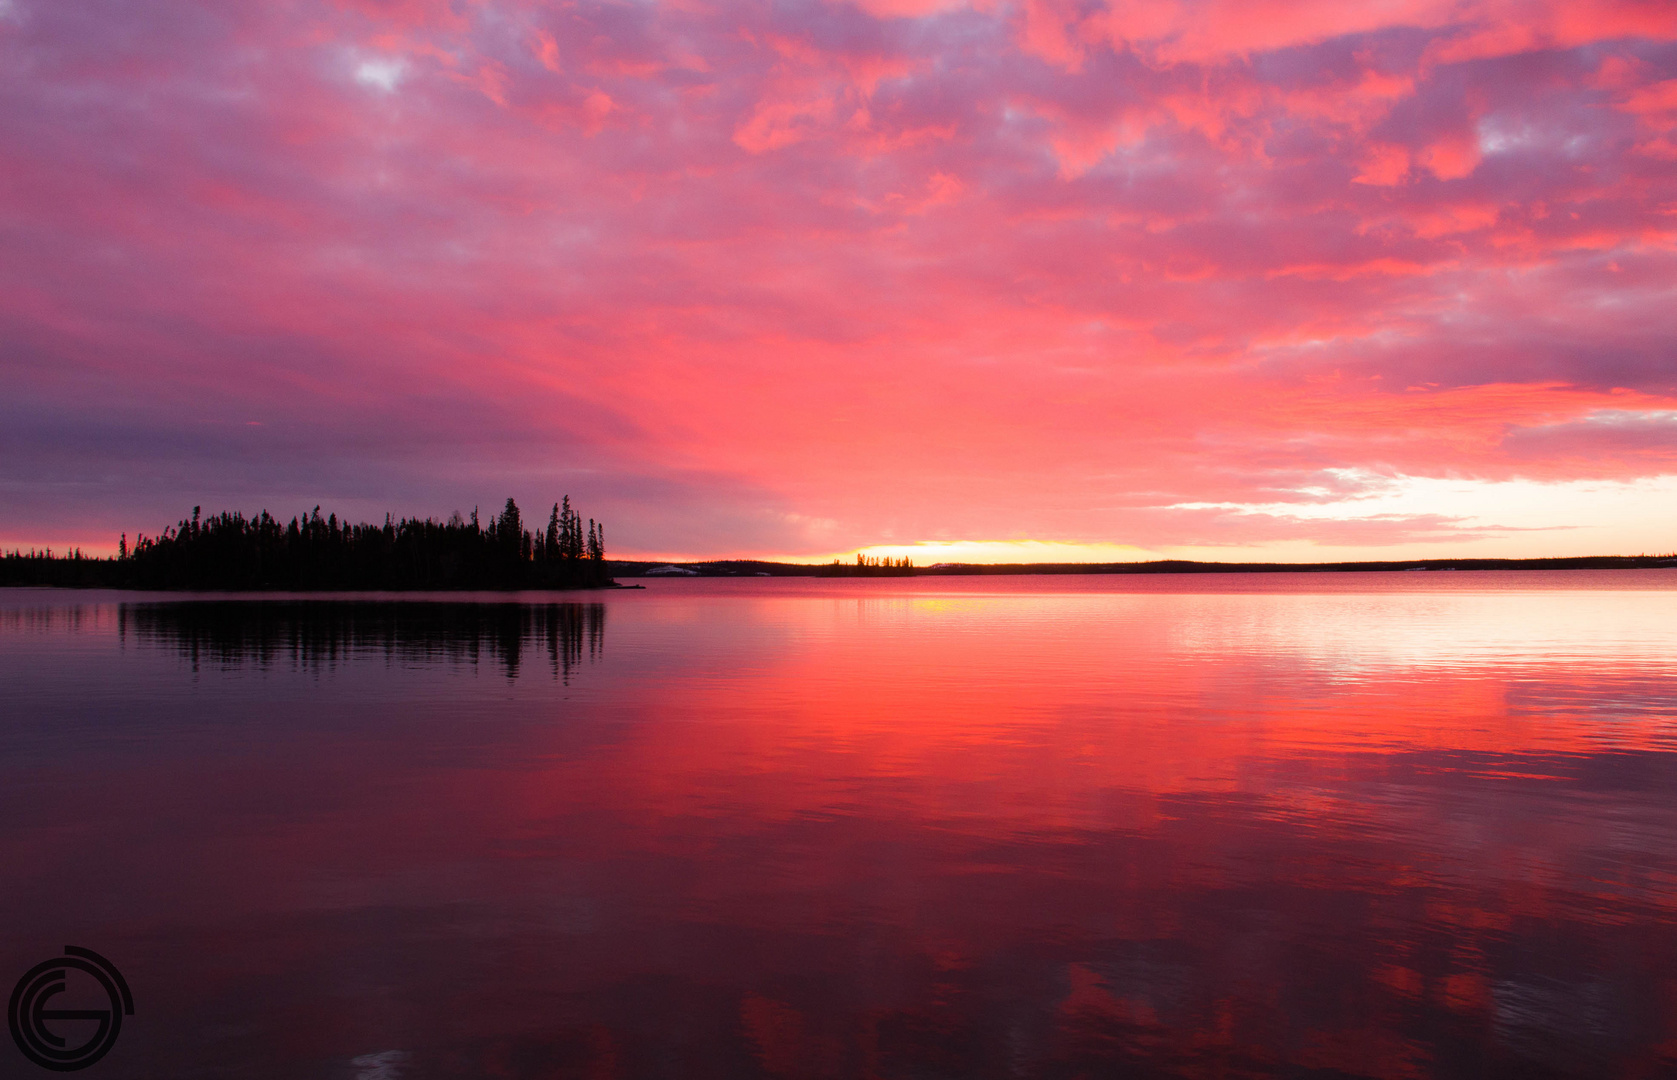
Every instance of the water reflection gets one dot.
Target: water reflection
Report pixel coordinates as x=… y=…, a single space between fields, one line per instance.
x=860 y=832
x=316 y=634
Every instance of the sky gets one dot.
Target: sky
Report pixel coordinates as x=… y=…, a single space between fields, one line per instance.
x=1051 y=280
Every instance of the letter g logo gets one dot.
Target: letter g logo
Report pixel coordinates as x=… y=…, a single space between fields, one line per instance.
x=31 y=1020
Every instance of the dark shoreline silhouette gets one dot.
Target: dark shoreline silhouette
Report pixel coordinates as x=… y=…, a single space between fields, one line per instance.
x=231 y=552
x=75 y=571
x=312 y=554
x=759 y=568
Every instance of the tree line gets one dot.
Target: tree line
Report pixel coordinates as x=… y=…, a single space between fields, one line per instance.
x=870 y=566
x=231 y=551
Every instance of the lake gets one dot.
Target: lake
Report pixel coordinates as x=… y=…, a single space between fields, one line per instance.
x=1278 y=825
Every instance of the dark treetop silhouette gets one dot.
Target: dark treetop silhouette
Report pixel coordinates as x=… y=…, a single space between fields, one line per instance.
x=230 y=551
x=870 y=566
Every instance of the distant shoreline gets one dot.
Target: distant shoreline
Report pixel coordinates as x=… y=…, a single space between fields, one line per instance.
x=760 y=568
x=95 y=573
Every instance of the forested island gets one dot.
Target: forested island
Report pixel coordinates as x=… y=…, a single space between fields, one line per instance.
x=231 y=551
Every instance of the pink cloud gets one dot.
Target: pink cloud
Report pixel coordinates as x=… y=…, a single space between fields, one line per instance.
x=810 y=277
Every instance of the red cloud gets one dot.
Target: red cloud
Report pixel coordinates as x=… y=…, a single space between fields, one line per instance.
x=808 y=277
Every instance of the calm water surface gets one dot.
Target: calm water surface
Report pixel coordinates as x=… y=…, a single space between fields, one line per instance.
x=1397 y=825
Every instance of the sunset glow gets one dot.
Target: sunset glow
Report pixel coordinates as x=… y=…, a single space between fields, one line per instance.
x=1035 y=281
